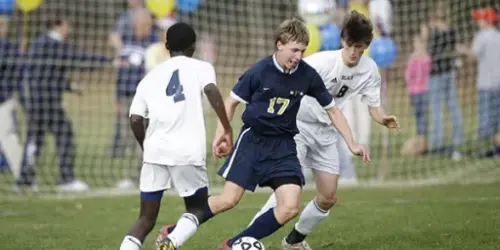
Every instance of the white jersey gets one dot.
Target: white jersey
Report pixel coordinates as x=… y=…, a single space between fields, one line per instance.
x=342 y=82
x=170 y=96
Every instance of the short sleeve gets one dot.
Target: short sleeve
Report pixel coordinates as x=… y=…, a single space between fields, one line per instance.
x=318 y=90
x=139 y=105
x=207 y=75
x=371 y=92
x=244 y=88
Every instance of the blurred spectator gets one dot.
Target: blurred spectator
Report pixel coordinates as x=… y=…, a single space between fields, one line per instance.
x=49 y=58
x=486 y=50
x=10 y=76
x=131 y=63
x=417 y=76
x=124 y=25
x=441 y=43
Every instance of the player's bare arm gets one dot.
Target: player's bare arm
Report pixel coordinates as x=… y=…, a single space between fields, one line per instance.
x=138 y=125
x=339 y=121
x=378 y=114
x=230 y=106
x=215 y=98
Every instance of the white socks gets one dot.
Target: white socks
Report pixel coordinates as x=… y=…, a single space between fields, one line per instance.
x=311 y=216
x=130 y=243
x=184 y=229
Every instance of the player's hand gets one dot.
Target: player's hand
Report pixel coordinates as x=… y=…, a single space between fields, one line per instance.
x=360 y=150
x=223 y=143
x=390 y=121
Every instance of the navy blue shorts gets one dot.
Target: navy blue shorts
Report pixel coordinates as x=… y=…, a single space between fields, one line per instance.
x=258 y=159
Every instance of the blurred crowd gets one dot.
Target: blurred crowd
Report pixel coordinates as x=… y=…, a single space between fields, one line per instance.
x=38 y=74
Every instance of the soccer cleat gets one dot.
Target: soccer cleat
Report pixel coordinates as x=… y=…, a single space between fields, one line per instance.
x=224 y=245
x=298 y=246
x=162 y=236
x=165 y=244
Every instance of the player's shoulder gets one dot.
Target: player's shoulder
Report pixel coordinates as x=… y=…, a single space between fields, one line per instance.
x=260 y=66
x=324 y=55
x=368 y=65
x=183 y=62
x=308 y=69
x=324 y=60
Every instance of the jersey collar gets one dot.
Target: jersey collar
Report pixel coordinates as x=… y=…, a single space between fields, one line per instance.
x=280 y=68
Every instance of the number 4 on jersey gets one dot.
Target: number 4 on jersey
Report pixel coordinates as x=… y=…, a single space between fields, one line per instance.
x=174 y=87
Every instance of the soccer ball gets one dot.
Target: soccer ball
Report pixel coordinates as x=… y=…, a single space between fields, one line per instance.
x=248 y=243
x=317 y=12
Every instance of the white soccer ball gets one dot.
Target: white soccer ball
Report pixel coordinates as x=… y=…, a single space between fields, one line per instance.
x=381 y=16
x=248 y=243
x=317 y=12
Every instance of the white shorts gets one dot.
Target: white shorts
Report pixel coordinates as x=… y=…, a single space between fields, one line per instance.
x=317 y=147
x=185 y=179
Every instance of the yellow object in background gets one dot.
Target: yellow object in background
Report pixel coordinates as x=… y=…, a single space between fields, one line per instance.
x=155 y=55
x=161 y=8
x=314 y=40
x=28 y=5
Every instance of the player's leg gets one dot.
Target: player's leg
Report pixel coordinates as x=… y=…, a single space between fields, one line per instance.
x=287 y=190
x=191 y=182
x=198 y=212
x=238 y=172
x=153 y=181
x=303 y=140
x=150 y=206
x=236 y=179
x=316 y=210
x=325 y=164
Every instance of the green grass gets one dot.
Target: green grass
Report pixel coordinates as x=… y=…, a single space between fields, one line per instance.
x=440 y=217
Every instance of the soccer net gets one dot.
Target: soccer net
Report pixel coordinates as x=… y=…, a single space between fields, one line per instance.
x=234 y=35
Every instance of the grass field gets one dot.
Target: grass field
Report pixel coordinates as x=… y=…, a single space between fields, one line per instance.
x=440 y=217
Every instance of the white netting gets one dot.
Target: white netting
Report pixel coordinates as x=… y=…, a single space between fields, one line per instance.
x=237 y=33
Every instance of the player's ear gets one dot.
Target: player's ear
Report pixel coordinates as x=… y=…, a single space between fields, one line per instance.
x=279 y=45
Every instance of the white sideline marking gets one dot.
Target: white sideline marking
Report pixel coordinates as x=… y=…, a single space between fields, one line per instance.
x=113 y=192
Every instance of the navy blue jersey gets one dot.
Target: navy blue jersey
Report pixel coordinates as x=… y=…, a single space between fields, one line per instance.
x=273 y=97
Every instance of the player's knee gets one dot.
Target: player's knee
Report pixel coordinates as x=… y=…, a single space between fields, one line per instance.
x=326 y=202
x=196 y=204
x=229 y=201
x=288 y=210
